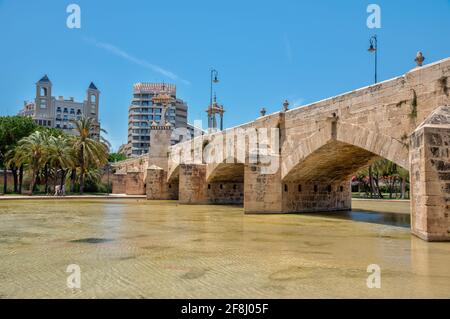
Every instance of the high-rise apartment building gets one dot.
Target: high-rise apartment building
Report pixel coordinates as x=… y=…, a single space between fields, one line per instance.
x=49 y=111
x=142 y=113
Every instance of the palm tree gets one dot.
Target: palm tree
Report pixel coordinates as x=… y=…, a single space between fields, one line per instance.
x=404 y=176
x=32 y=151
x=89 y=152
x=61 y=155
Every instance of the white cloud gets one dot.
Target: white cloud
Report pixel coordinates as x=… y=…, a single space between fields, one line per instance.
x=143 y=63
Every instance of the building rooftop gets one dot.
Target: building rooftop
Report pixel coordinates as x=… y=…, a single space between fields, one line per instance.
x=144 y=87
x=92 y=86
x=44 y=79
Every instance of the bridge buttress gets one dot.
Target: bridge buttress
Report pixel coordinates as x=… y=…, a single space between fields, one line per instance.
x=192 y=184
x=430 y=178
x=157 y=187
x=262 y=192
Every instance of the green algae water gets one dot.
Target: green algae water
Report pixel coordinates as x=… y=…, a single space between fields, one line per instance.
x=134 y=248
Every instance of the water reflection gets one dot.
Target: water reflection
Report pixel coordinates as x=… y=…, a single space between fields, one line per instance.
x=391 y=219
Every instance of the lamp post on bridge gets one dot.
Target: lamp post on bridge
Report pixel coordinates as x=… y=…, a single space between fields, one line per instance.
x=214 y=108
x=373 y=48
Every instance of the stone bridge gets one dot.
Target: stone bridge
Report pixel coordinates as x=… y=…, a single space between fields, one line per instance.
x=312 y=152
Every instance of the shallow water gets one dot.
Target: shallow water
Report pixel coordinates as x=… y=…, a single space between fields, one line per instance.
x=140 y=249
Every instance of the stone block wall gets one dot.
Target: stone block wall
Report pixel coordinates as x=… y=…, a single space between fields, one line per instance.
x=158 y=188
x=192 y=184
x=135 y=184
x=225 y=193
x=430 y=183
x=119 y=183
x=262 y=192
x=317 y=196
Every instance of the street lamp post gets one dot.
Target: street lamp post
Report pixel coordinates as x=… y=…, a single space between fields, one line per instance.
x=214 y=80
x=373 y=48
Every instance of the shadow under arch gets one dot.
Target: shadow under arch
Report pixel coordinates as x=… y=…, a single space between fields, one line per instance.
x=316 y=175
x=225 y=182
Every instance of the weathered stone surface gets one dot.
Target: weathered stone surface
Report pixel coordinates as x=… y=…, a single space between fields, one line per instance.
x=119 y=185
x=135 y=184
x=430 y=177
x=131 y=183
x=192 y=184
x=157 y=186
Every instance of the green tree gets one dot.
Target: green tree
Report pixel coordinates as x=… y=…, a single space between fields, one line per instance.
x=89 y=152
x=61 y=156
x=404 y=180
x=12 y=130
x=32 y=152
x=116 y=157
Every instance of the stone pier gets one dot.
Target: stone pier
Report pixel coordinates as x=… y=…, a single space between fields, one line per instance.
x=430 y=177
x=192 y=184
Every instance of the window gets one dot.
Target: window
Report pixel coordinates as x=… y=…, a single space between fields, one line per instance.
x=157 y=117
x=92 y=98
x=58 y=126
x=43 y=92
x=58 y=109
x=43 y=104
x=315 y=188
x=65 y=110
x=78 y=112
x=72 y=111
x=49 y=123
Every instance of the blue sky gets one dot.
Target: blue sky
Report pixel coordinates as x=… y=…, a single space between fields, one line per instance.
x=265 y=51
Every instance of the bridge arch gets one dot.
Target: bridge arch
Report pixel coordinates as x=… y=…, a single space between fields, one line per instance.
x=347 y=135
x=316 y=173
